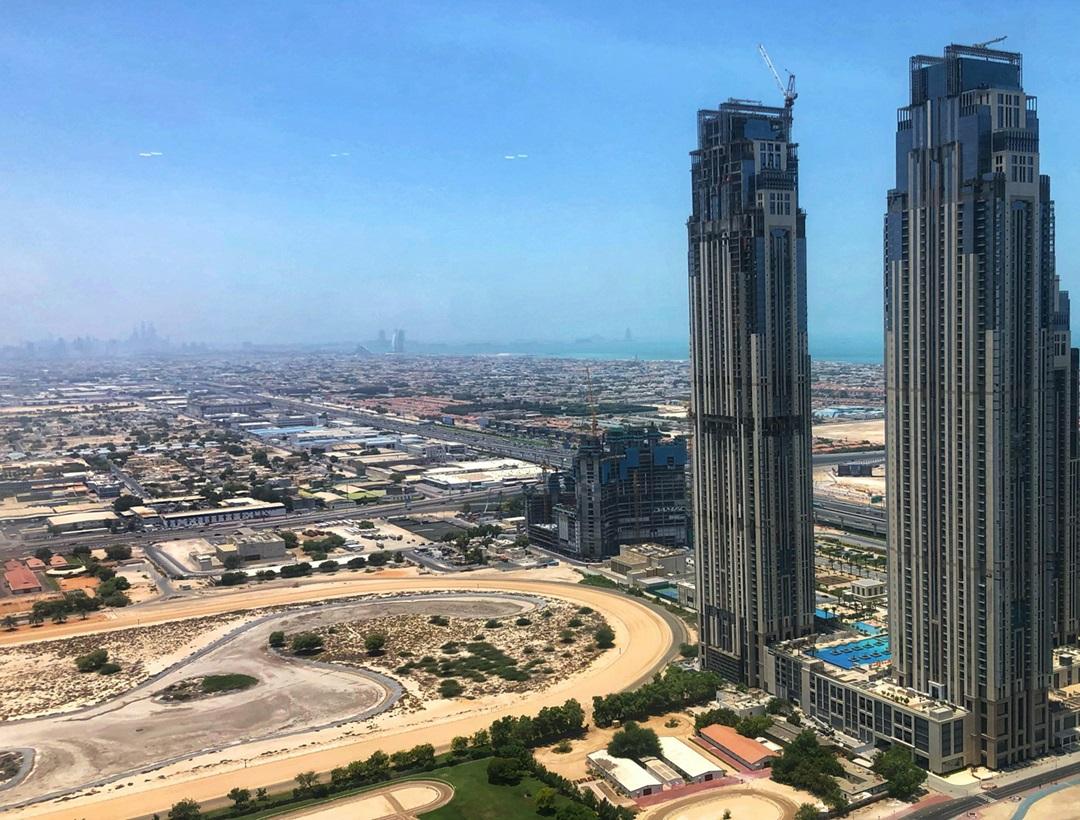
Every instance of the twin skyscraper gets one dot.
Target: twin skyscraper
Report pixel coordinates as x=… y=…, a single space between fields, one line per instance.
x=981 y=421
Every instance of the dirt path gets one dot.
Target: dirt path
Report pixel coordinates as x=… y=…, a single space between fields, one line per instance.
x=741 y=801
x=270 y=763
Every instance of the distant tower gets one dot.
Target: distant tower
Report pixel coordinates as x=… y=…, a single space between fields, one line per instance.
x=397 y=342
x=629 y=337
x=382 y=337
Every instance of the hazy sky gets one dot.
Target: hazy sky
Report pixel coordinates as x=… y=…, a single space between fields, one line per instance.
x=315 y=171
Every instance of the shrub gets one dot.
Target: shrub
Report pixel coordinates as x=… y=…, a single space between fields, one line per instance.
x=523 y=622
x=450 y=688
x=277 y=639
x=306 y=643
x=108 y=668
x=491 y=623
x=374 y=643
x=605 y=637
x=231 y=579
x=92 y=661
x=328 y=566
x=439 y=620
x=574 y=623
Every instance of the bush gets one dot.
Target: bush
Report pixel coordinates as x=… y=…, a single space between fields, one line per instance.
x=227 y=683
x=374 y=643
x=108 y=668
x=328 y=566
x=277 y=639
x=92 y=661
x=439 y=620
x=450 y=688
x=359 y=562
x=688 y=650
x=605 y=637
x=306 y=643
x=503 y=771
x=523 y=622
x=231 y=579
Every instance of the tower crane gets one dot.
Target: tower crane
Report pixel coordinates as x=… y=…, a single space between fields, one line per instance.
x=788 y=91
x=991 y=42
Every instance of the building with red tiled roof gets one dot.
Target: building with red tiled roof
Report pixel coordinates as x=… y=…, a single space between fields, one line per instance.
x=34 y=563
x=743 y=750
x=20 y=580
x=58 y=562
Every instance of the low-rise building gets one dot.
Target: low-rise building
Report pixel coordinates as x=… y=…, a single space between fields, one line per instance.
x=743 y=750
x=624 y=774
x=73 y=522
x=868 y=589
x=221 y=515
x=259 y=545
x=20 y=580
x=668 y=777
x=695 y=767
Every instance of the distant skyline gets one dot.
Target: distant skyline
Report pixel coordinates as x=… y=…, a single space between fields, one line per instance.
x=316 y=172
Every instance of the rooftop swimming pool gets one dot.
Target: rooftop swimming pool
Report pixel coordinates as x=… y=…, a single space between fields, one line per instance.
x=862 y=652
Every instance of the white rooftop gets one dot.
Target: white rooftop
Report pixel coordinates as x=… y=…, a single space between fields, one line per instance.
x=687 y=760
x=626 y=772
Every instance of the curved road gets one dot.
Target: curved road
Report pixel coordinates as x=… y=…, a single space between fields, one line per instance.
x=646 y=639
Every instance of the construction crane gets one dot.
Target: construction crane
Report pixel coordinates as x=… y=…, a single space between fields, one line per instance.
x=788 y=91
x=991 y=42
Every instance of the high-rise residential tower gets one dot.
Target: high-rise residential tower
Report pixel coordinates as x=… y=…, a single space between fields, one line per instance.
x=750 y=401
x=981 y=404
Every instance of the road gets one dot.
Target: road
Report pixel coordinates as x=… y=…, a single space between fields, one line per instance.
x=654 y=643
x=962 y=805
x=293 y=520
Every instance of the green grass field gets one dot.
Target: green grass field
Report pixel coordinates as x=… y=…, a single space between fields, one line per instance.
x=476 y=799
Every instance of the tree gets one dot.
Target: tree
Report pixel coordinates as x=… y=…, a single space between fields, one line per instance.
x=328 y=566
x=306 y=781
x=374 y=643
x=807 y=811
x=545 y=800
x=635 y=742
x=450 y=688
x=605 y=637
x=378 y=559
x=232 y=562
x=688 y=650
x=276 y=639
x=503 y=771
x=459 y=745
x=118 y=552
x=898 y=767
x=306 y=643
x=575 y=811
x=231 y=579
x=43 y=554
x=240 y=798
x=753 y=725
x=185 y=810
x=805 y=764
x=290 y=538
x=9 y=623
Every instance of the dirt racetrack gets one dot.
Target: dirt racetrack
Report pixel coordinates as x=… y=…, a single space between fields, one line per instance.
x=645 y=640
x=134 y=731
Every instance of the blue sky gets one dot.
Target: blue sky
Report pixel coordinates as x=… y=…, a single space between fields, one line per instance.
x=329 y=169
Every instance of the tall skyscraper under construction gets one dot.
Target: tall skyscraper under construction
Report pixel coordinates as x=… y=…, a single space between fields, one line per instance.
x=981 y=405
x=750 y=400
